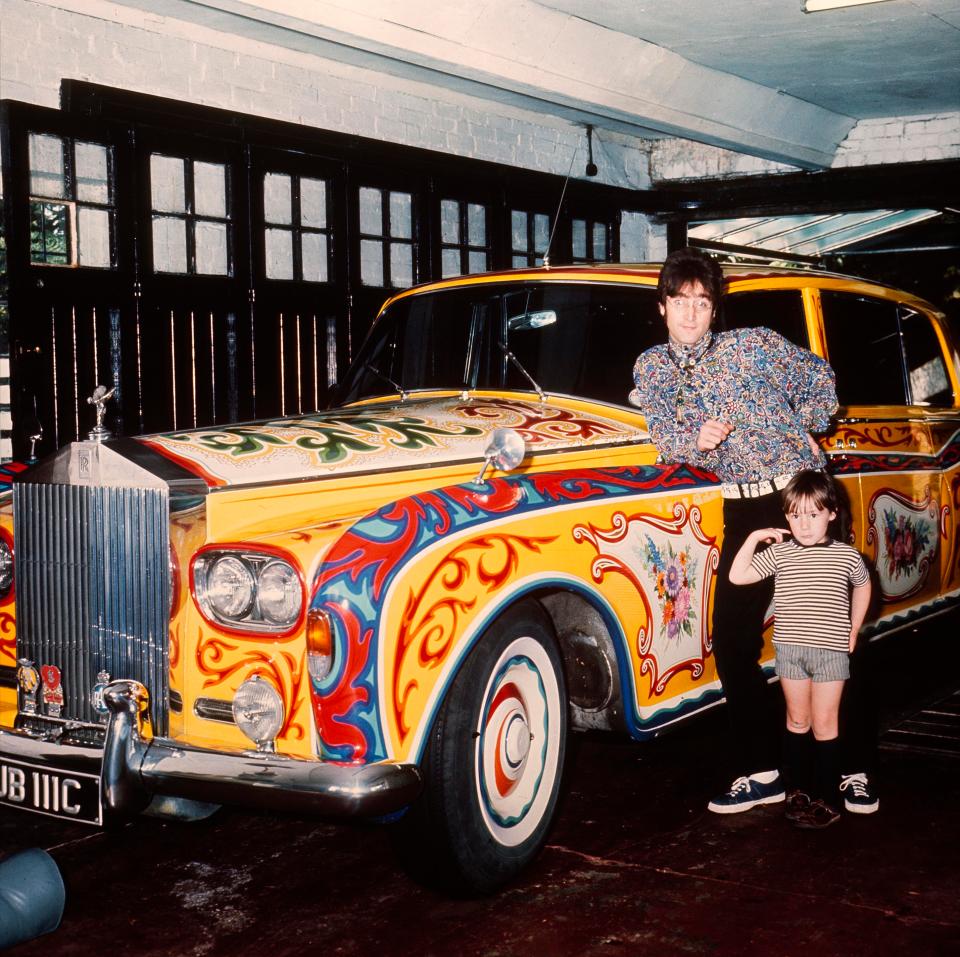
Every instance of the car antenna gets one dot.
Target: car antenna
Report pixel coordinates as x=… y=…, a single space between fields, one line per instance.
x=556 y=218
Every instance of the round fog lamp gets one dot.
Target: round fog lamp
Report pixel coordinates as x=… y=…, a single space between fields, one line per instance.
x=258 y=712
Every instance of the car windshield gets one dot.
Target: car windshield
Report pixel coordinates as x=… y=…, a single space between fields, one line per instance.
x=571 y=338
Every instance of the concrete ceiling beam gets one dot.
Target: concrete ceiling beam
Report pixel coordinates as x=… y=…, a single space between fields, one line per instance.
x=524 y=54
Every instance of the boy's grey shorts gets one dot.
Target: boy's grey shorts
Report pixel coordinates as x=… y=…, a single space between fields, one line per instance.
x=802 y=661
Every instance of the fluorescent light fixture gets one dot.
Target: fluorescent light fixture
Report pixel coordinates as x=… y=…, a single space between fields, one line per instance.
x=814 y=6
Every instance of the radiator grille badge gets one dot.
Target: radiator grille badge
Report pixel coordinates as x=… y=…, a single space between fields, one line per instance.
x=52 y=692
x=28 y=680
x=96 y=695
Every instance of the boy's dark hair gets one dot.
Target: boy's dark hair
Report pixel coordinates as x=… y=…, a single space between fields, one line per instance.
x=813 y=486
x=689 y=265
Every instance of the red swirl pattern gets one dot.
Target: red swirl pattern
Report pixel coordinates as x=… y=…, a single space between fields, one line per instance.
x=428 y=630
x=219 y=660
x=8 y=636
x=537 y=427
x=878 y=436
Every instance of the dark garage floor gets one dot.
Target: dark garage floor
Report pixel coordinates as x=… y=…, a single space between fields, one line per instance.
x=635 y=865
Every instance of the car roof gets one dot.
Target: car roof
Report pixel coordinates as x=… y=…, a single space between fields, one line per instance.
x=647 y=274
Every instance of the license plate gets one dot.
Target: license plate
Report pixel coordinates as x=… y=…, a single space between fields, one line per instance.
x=70 y=795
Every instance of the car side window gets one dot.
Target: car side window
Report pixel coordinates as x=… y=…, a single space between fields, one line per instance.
x=926 y=369
x=863 y=346
x=779 y=309
x=883 y=352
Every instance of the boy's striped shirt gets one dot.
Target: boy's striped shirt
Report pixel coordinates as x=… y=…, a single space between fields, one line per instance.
x=812 y=591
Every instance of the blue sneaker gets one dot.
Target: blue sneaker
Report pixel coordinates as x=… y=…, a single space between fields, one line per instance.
x=748 y=792
x=857 y=796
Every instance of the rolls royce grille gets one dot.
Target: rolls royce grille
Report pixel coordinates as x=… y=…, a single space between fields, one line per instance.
x=92 y=590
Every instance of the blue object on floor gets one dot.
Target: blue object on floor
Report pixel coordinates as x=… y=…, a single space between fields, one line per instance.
x=31 y=896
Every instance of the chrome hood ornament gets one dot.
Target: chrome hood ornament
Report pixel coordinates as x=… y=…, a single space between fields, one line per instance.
x=99 y=400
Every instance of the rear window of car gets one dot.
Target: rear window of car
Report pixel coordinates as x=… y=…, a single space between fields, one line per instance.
x=883 y=352
x=778 y=309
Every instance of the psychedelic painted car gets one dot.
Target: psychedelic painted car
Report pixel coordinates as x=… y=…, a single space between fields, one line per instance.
x=401 y=604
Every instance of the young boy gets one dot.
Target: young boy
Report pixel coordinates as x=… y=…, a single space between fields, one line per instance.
x=821 y=594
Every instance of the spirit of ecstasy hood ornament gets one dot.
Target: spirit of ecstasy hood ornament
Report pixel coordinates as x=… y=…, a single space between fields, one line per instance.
x=99 y=399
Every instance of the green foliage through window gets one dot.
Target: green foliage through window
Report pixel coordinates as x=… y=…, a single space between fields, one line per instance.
x=49 y=231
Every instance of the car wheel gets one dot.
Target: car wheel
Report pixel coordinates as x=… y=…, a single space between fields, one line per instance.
x=495 y=757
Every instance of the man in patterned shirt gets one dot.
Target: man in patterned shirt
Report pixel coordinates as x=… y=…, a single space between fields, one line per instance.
x=742 y=404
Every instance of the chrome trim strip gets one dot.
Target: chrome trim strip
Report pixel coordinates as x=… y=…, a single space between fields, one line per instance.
x=280 y=783
x=214 y=709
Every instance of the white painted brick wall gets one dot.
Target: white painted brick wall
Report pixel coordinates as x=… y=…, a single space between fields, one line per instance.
x=870 y=143
x=901 y=139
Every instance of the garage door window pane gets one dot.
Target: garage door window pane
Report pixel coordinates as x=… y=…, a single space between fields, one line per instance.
x=401 y=266
x=401 y=215
x=277 y=199
x=211 y=239
x=93 y=183
x=477 y=224
x=210 y=189
x=93 y=237
x=579 y=239
x=371 y=212
x=315 y=257
x=541 y=232
x=599 y=242
x=49 y=236
x=279 y=253
x=450 y=221
x=371 y=262
x=169 y=244
x=167 y=190
x=477 y=262
x=313 y=203
x=449 y=263
x=46 y=166
x=518 y=229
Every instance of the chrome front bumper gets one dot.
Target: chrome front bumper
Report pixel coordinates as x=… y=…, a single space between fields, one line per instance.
x=133 y=768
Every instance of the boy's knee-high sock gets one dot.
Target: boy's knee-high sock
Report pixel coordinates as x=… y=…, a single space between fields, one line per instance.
x=798 y=760
x=828 y=770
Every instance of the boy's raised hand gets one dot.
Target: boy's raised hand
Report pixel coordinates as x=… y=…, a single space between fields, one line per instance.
x=770 y=535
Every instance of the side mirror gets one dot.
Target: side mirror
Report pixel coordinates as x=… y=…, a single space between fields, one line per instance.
x=505 y=452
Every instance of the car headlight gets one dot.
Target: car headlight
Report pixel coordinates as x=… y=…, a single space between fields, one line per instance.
x=279 y=592
x=230 y=588
x=258 y=712
x=6 y=568
x=248 y=590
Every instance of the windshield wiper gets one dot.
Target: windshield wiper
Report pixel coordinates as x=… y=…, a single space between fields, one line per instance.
x=382 y=375
x=518 y=365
